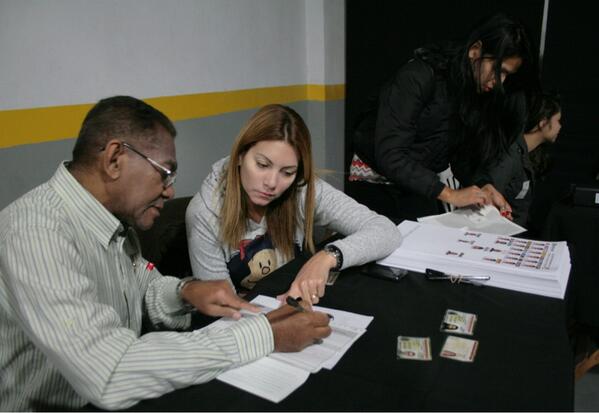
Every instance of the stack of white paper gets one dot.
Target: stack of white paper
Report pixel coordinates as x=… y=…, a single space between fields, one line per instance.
x=535 y=267
x=274 y=377
x=485 y=219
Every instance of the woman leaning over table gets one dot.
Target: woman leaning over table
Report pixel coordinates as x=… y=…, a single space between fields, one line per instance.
x=258 y=207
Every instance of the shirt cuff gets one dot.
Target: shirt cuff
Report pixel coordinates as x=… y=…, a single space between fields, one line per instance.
x=254 y=337
x=172 y=303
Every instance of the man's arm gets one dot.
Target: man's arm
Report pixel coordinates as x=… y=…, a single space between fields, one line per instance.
x=56 y=304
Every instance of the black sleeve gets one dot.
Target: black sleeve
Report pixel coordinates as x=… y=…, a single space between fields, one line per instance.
x=400 y=105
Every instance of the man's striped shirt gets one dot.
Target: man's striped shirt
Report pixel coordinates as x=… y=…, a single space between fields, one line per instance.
x=73 y=287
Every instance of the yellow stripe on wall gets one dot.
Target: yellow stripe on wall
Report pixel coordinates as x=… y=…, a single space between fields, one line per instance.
x=27 y=126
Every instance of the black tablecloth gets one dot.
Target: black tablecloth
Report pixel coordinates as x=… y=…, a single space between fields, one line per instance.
x=523 y=361
x=579 y=226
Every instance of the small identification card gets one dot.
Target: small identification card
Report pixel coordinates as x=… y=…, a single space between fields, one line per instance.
x=458 y=322
x=414 y=348
x=460 y=349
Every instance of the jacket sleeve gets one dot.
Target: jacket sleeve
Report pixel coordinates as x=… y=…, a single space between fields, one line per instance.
x=400 y=106
x=500 y=172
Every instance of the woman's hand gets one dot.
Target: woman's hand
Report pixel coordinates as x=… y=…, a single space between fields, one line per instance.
x=498 y=200
x=310 y=282
x=471 y=195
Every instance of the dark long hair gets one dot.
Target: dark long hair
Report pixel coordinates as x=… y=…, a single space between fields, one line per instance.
x=543 y=107
x=486 y=124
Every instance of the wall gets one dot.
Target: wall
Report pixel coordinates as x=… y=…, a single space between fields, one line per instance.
x=207 y=64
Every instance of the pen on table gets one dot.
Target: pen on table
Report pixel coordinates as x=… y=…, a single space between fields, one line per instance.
x=470 y=279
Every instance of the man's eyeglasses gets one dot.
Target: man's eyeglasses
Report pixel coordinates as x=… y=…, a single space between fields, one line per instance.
x=168 y=176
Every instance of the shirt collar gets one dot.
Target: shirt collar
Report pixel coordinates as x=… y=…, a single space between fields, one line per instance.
x=94 y=216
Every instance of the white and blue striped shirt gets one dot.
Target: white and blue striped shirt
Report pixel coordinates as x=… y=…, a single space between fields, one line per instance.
x=73 y=287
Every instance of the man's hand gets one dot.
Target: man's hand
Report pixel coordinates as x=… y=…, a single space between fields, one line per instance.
x=293 y=330
x=471 y=195
x=215 y=298
x=498 y=200
x=310 y=282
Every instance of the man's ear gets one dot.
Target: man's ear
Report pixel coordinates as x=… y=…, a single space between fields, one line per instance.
x=112 y=159
x=474 y=52
x=543 y=123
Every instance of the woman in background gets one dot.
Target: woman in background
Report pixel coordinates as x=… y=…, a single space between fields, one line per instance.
x=514 y=174
x=444 y=99
x=258 y=208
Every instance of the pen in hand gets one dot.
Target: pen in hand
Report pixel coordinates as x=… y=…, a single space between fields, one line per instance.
x=294 y=302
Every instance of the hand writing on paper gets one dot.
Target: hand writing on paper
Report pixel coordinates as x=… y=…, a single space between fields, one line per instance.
x=294 y=330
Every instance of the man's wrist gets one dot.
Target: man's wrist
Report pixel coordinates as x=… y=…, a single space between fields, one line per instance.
x=179 y=291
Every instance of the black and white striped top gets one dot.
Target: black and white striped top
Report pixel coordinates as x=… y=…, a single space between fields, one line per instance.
x=72 y=290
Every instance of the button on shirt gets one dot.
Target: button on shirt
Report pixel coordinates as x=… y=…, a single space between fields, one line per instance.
x=73 y=286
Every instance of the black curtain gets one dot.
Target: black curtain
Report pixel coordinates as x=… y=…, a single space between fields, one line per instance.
x=381 y=36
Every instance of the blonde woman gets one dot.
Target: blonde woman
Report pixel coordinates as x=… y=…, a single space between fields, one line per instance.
x=258 y=207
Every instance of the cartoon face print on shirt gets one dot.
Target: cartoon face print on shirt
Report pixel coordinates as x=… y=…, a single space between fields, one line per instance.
x=255 y=259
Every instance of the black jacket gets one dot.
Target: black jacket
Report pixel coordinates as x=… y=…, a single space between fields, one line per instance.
x=513 y=176
x=405 y=138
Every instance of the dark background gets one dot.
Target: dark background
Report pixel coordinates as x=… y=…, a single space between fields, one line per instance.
x=381 y=36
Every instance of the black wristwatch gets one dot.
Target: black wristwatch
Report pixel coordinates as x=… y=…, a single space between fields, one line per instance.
x=336 y=253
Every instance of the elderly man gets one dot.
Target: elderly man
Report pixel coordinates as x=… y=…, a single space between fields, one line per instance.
x=74 y=287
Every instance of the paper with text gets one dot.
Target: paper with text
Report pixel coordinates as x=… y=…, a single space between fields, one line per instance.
x=257 y=377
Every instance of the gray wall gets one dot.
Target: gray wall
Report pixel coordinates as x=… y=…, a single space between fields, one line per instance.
x=200 y=143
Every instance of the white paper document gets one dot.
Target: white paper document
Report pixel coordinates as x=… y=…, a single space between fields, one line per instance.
x=536 y=267
x=274 y=377
x=485 y=219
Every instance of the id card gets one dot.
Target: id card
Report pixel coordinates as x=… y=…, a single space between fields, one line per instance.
x=458 y=322
x=460 y=349
x=414 y=348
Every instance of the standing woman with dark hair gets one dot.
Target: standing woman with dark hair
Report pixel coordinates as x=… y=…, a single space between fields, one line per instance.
x=258 y=208
x=439 y=100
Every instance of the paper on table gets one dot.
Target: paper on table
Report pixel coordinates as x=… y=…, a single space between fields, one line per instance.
x=536 y=267
x=266 y=378
x=346 y=329
x=257 y=377
x=485 y=219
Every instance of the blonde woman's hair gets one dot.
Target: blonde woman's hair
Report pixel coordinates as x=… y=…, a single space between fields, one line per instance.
x=270 y=123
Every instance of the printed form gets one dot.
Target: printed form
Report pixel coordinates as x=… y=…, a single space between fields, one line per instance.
x=276 y=376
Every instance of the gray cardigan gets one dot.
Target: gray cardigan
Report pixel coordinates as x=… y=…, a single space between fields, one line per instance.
x=368 y=236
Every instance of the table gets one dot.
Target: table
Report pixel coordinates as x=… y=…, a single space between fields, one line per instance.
x=523 y=362
x=579 y=227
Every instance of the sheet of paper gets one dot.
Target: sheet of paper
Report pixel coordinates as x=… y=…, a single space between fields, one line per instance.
x=485 y=219
x=274 y=377
x=267 y=378
x=346 y=328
